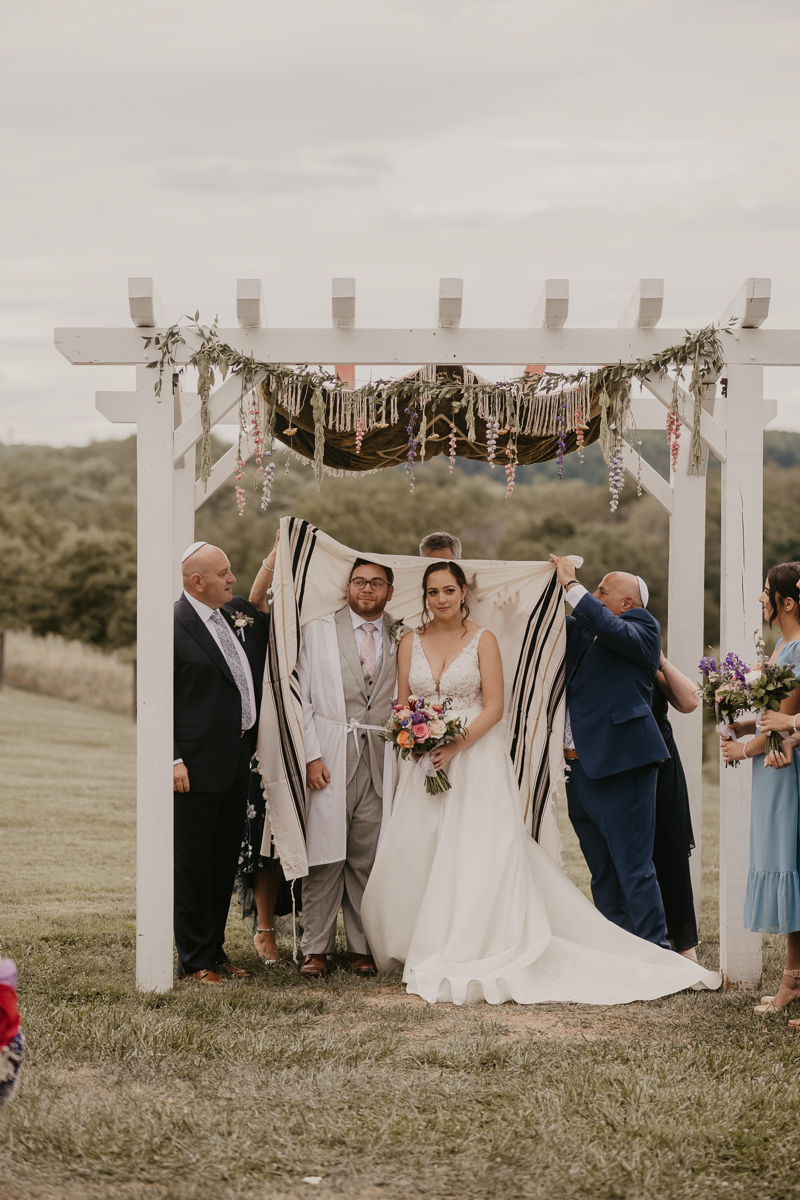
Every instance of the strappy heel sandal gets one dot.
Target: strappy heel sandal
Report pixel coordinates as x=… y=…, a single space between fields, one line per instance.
x=768 y=1004
x=263 y=957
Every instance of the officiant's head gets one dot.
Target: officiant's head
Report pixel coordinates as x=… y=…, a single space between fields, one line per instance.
x=207 y=575
x=440 y=545
x=369 y=588
x=619 y=592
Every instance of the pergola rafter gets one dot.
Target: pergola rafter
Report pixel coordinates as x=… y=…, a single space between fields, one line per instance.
x=169 y=427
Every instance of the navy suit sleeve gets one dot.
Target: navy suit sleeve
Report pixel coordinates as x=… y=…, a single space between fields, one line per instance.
x=634 y=636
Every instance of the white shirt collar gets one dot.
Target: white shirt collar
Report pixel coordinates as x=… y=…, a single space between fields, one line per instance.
x=203 y=611
x=358 y=621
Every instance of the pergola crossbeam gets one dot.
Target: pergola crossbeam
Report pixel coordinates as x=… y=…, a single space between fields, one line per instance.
x=221 y=401
x=652 y=482
x=221 y=471
x=643 y=310
x=410 y=347
x=712 y=433
x=750 y=306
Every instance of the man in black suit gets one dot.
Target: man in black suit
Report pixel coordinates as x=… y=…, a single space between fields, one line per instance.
x=220 y=649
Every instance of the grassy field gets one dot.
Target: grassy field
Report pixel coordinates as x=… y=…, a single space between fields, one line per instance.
x=244 y=1091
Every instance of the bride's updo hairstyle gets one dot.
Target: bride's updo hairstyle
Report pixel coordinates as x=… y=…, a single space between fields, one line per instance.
x=444 y=564
x=782 y=582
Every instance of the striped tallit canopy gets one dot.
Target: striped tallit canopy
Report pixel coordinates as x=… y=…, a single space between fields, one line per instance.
x=520 y=602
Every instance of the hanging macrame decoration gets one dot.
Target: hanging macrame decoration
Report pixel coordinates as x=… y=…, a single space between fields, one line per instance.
x=438 y=410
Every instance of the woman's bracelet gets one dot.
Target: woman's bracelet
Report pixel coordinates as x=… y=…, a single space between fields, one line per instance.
x=794 y=723
x=267 y=567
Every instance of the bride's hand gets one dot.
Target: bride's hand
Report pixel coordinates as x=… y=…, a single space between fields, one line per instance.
x=441 y=756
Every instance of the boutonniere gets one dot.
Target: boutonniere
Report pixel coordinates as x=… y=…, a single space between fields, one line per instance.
x=240 y=623
x=396 y=631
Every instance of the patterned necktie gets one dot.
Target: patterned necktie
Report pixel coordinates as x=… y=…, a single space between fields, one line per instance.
x=235 y=663
x=368 y=652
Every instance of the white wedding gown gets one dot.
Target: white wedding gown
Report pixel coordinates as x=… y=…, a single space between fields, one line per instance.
x=466 y=902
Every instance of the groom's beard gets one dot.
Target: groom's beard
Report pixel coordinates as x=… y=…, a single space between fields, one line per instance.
x=368 y=608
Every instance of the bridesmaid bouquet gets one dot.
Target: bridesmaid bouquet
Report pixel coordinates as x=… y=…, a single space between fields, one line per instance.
x=768 y=685
x=722 y=687
x=419 y=728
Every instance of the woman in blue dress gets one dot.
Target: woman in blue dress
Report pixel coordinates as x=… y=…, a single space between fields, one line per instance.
x=772 y=897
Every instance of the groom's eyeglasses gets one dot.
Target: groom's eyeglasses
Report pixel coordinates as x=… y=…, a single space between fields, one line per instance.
x=361 y=585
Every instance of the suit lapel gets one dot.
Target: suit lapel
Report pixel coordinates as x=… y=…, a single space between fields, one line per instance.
x=348 y=648
x=201 y=635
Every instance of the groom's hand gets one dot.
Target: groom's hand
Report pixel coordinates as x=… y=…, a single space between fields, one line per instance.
x=317 y=775
x=565 y=569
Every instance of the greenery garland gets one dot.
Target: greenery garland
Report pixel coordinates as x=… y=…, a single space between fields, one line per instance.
x=541 y=405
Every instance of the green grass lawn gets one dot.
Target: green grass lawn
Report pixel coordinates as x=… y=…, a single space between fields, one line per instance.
x=243 y=1091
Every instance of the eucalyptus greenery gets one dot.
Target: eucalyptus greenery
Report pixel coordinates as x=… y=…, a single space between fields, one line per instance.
x=533 y=405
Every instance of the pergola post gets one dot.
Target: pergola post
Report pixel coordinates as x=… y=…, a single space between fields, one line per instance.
x=740 y=617
x=155 y=594
x=686 y=600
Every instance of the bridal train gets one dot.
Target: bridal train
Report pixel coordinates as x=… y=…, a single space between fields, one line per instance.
x=466 y=903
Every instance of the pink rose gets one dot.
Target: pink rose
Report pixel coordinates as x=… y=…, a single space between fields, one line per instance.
x=422 y=733
x=437 y=728
x=402 y=714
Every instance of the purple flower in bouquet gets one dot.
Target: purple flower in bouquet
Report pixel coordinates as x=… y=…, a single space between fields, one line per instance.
x=708 y=665
x=731 y=663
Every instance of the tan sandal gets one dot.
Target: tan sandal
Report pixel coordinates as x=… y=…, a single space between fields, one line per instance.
x=768 y=1005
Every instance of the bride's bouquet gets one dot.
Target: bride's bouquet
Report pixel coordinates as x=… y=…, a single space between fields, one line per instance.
x=417 y=729
x=723 y=688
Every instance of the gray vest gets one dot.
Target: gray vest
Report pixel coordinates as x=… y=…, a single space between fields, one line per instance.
x=368 y=700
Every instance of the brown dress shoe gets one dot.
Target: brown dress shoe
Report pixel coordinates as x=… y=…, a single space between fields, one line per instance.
x=229 y=969
x=363 y=964
x=204 y=976
x=314 y=964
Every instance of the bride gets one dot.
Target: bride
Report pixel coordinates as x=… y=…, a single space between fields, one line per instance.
x=461 y=897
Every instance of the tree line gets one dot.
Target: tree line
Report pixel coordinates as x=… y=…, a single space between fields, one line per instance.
x=68 y=525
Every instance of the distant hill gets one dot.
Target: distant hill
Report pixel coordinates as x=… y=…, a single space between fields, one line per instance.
x=781 y=447
x=68 y=524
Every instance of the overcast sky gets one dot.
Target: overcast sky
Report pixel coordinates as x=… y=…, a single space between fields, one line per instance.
x=504 y=141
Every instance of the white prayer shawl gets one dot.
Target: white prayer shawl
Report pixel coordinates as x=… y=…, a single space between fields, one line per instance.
x=325 y=736
x=520 y=602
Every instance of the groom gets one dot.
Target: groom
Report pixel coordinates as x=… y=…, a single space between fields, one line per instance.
x=613 y=745
x=347 y=675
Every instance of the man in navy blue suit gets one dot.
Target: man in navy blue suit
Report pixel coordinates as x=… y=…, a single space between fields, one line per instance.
x=613 y=745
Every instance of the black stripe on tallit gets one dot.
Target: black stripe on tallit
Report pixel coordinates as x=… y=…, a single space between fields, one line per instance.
x=526 y=699
x=541 y=789
x=538 y=630
x=531 y=642
x=294 y=775
x=306 y=541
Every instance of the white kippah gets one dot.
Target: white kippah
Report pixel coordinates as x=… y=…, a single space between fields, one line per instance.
x=190 y=550
x=644 y=591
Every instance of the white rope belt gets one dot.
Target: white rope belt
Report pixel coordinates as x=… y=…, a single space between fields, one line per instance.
x=351 y=726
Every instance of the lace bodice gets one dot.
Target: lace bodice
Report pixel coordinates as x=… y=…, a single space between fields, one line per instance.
x=461 y=681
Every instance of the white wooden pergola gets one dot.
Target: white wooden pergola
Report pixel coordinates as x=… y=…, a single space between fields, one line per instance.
x=168 y=428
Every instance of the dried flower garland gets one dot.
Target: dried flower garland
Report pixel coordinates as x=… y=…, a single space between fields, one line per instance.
x=549 y=405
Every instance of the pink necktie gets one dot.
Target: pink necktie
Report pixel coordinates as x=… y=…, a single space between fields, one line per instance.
x=368 y=648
